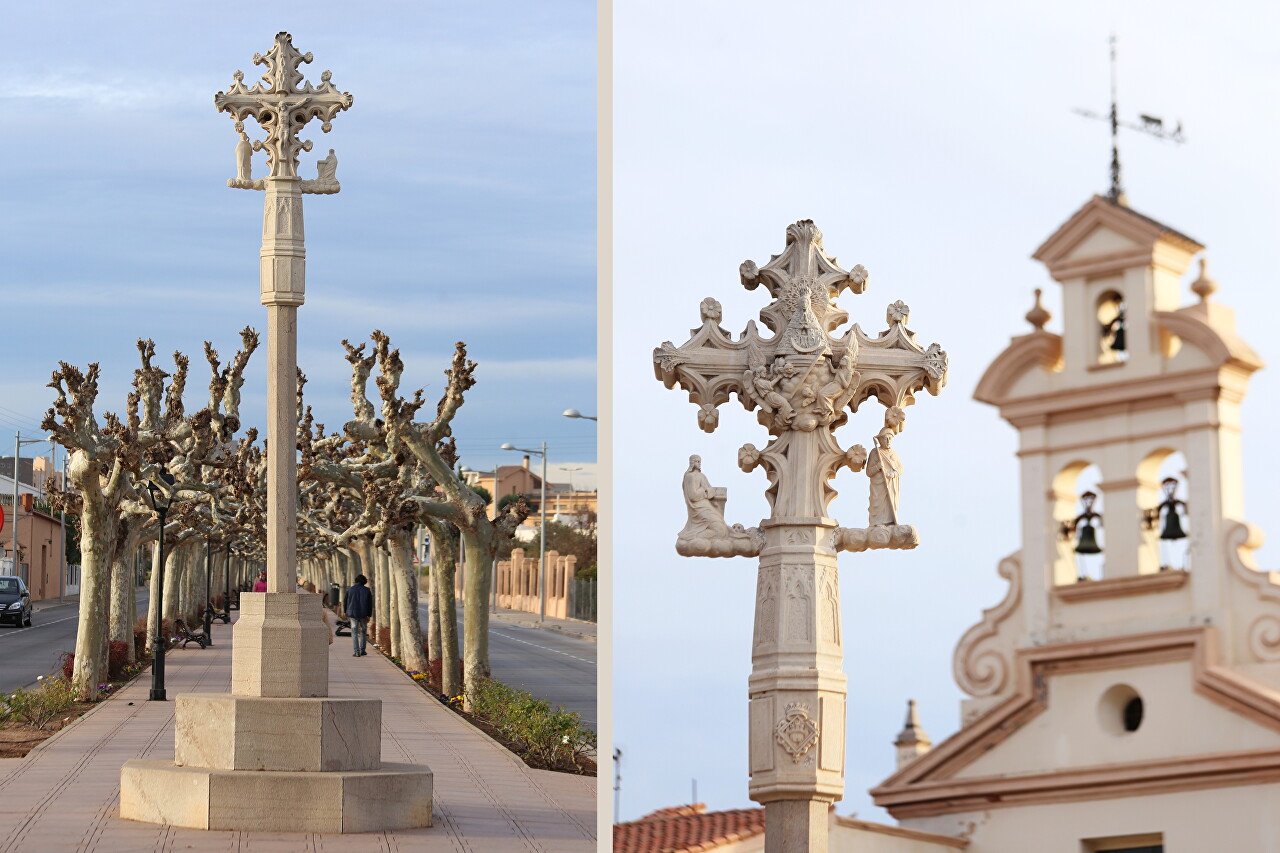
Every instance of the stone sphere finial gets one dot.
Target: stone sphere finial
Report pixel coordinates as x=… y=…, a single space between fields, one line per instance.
x=1038 y=315
x=1204 y=286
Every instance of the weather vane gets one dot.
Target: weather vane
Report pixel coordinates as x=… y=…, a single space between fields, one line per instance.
x=1147 y=124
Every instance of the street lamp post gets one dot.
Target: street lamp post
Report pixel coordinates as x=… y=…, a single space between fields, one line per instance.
x=542 y=512
x=160 y=499
x=208 y=592
x=226 y=576
x=574 y=413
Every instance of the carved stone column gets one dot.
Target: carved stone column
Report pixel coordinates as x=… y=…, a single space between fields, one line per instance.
x=801 y=382
x=277 y=754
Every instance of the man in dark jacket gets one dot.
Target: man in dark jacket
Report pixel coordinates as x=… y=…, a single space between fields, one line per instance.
x=359 y=609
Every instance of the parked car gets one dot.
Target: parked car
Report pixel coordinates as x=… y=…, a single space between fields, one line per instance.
x=15 y=601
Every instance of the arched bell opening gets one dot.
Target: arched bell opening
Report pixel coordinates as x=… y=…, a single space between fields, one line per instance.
x=1113 y=338
x=1165 y=520
x=1077 y=512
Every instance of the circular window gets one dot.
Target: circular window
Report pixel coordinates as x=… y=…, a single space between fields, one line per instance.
x=1120 y=710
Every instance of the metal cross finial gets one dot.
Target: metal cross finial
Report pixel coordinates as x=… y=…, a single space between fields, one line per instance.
x=1149 y=125
x=282 y=107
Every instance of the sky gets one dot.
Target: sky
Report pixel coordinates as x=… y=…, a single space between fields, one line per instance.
x=936 y=144
x=467 y=210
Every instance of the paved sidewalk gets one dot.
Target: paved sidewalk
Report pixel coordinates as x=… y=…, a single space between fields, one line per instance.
x=569 y=627
x=50 y=603
x=64 y=796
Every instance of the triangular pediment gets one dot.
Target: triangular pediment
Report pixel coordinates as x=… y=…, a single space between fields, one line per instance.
x=1108 y=233
x=1103 y=241
x=1059 y=732
x=1082 y=724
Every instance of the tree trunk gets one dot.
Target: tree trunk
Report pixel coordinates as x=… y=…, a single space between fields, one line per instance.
x=438 y=529
x=393 y=601
x=174 y=559
x=122 y=591
x=401 y=545
x=444 y=555
x=153 y=602
x=475 y=616
x=97 y=533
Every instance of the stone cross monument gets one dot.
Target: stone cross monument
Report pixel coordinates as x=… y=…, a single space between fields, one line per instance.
x=802 y=382
x=282 y=109
x=279 y=754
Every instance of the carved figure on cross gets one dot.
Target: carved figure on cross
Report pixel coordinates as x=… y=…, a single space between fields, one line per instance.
x=802 y=382
x=282 y=107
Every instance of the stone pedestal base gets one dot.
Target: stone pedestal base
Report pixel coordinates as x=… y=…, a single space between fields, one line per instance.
x=276 y=754
x=398 y=796
x=222 y=732
x=280 y=646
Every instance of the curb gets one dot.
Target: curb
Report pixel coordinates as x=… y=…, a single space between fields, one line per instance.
x=555 y=629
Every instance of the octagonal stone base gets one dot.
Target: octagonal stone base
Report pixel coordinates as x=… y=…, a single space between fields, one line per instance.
x=280 y=646
x=222 y=732
x=398 y=796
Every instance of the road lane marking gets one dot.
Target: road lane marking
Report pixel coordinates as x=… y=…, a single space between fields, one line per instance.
x=33 y=627
x=494 y=630
x=549 y=649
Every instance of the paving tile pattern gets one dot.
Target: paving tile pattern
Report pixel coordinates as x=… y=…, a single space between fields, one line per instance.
x=64 y=796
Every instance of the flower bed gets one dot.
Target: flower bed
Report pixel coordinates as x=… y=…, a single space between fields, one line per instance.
x=543 y=736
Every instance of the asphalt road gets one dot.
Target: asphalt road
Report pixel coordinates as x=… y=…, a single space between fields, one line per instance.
x=29 y=652
x=551 y=666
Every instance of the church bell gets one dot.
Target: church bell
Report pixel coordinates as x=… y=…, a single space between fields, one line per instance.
x=1172 y=525
x=1088 y=542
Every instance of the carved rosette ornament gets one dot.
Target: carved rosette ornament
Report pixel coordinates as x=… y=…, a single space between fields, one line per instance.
x=802 y=378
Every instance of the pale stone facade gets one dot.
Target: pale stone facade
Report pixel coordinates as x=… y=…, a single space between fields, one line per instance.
x=1139 y=709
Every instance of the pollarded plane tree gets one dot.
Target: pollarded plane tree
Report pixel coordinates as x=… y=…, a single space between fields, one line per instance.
x=456 y=503
x=107 y=468
x=359 y=496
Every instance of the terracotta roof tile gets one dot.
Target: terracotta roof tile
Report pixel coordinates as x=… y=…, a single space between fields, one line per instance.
x=686 y=829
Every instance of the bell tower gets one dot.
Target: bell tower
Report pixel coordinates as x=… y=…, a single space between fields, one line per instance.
x=1116 y=670
x=1134 y=378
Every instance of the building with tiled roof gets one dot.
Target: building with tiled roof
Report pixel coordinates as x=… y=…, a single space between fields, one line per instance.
x=693 y=829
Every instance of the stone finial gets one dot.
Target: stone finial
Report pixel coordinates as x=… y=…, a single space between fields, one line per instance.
x=1204 y=286
x=912 y=741
x=1038 y=315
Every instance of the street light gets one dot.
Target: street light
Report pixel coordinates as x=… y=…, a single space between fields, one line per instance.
x=208 y=592
x=160 y=499
x=542 y=511
x=18 y=442
x=226 y=576
x=574 y=413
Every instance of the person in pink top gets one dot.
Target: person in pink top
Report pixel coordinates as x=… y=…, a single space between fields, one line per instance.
x=260 y=585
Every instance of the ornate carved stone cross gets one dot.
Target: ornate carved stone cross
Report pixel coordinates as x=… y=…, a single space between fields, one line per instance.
x=802 y=382
x=282 y=107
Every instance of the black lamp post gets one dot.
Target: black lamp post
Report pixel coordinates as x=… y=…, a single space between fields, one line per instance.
x=226 y=576
x=160 y=500
x=208 y=592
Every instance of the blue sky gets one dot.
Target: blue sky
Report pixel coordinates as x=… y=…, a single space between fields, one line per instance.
x=467 y=209
x=934 y=143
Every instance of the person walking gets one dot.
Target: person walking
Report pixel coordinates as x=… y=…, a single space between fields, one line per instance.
x=260 y=585
x=359 y=609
